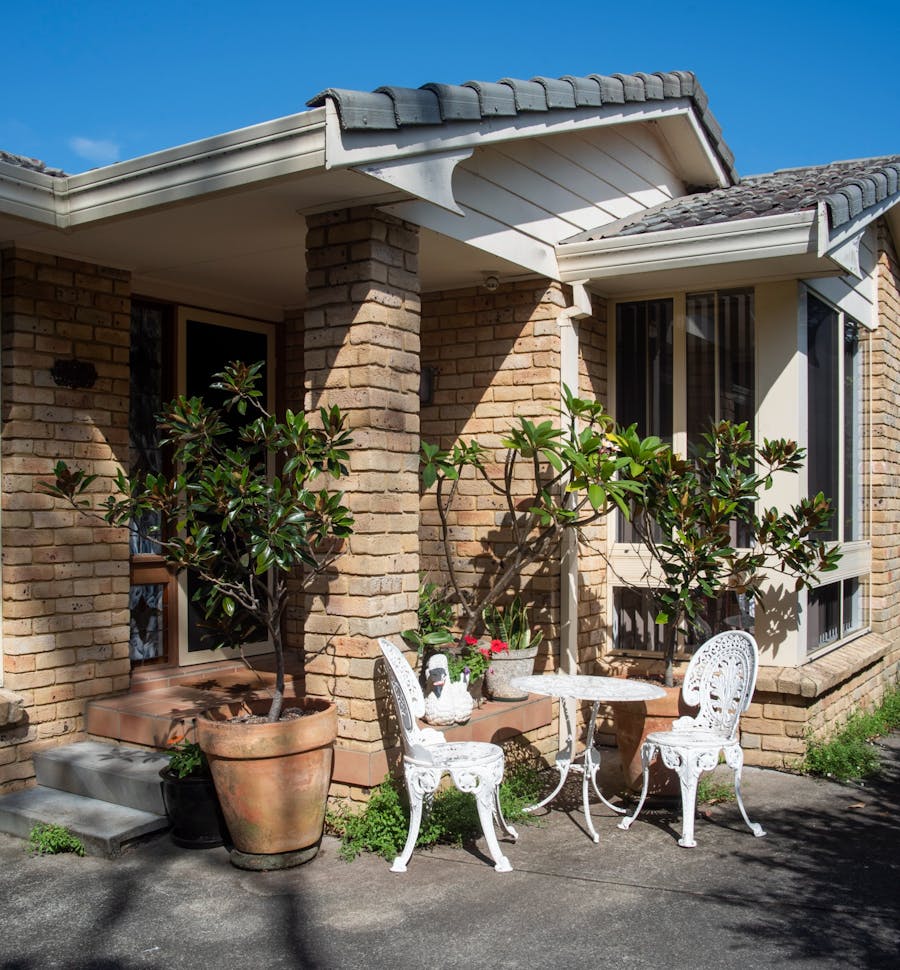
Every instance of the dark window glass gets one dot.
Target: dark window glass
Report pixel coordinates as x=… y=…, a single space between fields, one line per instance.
x=209 y=348
x=823 y=405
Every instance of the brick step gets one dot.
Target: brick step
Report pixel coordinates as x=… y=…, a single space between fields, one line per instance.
x=105 y=829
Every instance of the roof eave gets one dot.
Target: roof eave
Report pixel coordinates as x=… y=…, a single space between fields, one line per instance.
x=740 y=240
x=273 y=149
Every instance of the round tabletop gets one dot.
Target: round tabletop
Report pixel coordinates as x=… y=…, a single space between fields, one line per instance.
x=587 y=688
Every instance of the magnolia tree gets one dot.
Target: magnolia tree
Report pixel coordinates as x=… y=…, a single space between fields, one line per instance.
x=240 y=526
x=557 y=477
x=689 y=514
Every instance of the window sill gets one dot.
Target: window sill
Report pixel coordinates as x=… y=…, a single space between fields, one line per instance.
x=825 y=672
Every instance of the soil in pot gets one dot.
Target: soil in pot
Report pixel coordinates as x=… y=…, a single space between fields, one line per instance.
x=272 y=779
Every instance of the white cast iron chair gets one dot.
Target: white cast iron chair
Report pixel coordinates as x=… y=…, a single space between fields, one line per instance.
x=474 y=766
x=720 y=678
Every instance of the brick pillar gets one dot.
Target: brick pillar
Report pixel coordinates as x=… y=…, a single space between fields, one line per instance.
x=65 y=578
x=361 y=347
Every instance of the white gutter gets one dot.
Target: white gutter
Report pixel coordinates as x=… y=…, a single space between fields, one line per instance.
x=269 y=150
x=647 y=252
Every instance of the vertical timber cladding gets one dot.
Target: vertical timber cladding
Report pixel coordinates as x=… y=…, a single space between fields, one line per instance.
x=65 y=580
x=361 y=350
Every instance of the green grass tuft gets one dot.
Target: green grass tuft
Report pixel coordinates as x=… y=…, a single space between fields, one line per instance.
x=849 y=754
x=53 y=839
x=382 y=825
x=710 y=791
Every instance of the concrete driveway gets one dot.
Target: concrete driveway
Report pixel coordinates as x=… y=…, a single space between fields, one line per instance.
x=821 y=890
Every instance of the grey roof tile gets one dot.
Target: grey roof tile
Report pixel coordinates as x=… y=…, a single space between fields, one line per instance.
x=528 y=95
x=390 y=108
x=493 y=98
x=559 y=93
x=848 y=189
x=30 y=164
x=587 y=91
x=413 y=106
x=456 y=102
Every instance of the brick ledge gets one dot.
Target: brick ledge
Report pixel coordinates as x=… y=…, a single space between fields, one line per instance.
x=821 y=675
x=496 y=721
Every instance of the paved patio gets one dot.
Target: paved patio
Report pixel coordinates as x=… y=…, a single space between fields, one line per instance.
x=821 y=890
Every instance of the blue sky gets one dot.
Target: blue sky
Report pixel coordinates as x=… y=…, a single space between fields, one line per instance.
x=87 y=83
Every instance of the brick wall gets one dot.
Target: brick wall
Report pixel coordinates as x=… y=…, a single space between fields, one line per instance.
x=885 y=347
x=65 y=580
x=361 y=349
x=497 y=357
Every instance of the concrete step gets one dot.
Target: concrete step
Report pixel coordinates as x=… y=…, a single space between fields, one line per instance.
x=108 y=772
x=104 y=828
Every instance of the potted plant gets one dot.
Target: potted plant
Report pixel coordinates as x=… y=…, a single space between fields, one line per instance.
x=513 y=648
x=703 y=535
x=190 y=798
x=244 y=528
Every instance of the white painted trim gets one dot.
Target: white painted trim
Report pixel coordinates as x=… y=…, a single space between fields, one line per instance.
x=743 y=239
x=832 y=240
x=429 y=178
x=270 y=150
x=28 y=195
x=349 y=149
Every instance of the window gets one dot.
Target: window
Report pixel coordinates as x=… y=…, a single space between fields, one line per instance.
x=681 y=363
x=836 y=446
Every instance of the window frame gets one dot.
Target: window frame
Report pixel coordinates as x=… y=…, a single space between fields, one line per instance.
x=856 y=554
x=625 y=561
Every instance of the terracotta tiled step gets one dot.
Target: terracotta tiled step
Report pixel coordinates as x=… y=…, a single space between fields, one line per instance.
x=152 y=717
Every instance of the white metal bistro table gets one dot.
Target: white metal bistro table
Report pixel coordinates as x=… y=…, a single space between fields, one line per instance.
x=580 y=687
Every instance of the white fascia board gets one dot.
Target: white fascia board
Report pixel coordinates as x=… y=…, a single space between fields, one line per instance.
x=349 y=149
x=743 y=239
x=28 y=195
x=266 y=151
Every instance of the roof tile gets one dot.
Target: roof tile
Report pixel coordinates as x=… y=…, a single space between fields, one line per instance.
x=846 y=188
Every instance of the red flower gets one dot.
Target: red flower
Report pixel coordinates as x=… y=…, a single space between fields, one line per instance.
x=498 y=646
x=470 y=640
x=485 y=651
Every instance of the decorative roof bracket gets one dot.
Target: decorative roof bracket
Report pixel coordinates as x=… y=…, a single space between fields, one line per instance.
x=429 y=177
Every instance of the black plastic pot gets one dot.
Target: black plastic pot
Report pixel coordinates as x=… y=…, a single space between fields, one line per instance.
x=193 y=809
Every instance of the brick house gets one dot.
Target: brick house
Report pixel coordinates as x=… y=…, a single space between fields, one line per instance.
x=436 y=262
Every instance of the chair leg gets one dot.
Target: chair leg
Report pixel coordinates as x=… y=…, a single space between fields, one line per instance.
x=688 y=776
x=415 y=821
x=734 y=757
x=486 y=796
x=501 y=819
x=420 y=785
x=648 y=753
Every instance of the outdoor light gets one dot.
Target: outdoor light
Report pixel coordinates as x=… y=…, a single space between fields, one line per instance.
x=491 y=283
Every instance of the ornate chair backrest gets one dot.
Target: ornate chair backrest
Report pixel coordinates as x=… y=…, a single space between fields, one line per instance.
x=409 y=701
x=720 y=678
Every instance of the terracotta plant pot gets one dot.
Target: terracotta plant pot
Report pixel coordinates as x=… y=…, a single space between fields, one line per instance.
x=272 y=780
x=193 y=809
x=634 y=721
x=505 y=666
